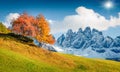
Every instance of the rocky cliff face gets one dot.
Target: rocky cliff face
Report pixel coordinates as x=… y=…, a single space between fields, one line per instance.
x=89 y=40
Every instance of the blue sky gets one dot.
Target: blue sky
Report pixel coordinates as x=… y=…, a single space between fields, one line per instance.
x=54 y=9
x=57 y=10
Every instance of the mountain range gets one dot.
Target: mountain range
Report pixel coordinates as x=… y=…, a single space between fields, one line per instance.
x=89 y=42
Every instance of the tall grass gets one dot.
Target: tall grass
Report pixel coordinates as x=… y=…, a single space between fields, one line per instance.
x=13 y=62
x=20 y=57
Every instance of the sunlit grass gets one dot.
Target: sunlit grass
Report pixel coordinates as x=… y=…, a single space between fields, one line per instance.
x=20 y=57
x=3 y=29
x=37 y=54
x=13 y=62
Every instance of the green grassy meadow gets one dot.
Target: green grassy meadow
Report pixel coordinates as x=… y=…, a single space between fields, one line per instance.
x=17 y=56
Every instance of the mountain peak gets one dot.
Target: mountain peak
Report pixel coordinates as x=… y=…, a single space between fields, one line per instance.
x=69 y=32
x=80 y=30
x=87 y=29
x=87 y=38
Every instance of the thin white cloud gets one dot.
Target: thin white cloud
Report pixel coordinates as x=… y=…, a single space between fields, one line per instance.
x=50 y=21
x=85 y=17
x=9 y=18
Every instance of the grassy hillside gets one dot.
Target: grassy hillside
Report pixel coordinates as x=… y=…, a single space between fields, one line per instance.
x=17 y=56
x=3 y=29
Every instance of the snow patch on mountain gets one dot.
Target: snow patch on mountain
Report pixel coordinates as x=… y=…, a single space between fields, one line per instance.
x=89 y=43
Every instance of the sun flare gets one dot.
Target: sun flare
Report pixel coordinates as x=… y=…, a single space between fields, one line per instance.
x=108 y=4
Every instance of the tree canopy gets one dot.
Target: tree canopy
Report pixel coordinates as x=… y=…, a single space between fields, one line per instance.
x=36 y=27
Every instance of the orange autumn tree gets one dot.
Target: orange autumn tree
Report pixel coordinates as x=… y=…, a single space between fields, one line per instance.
x=44 y=30
x=37 y=28
x=23 y=25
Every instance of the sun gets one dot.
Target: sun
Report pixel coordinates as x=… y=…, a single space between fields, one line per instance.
x=108 y=4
